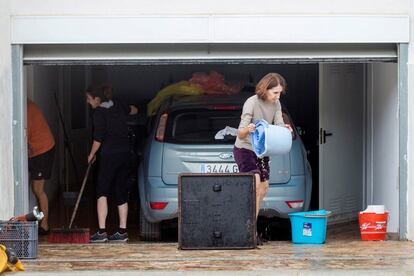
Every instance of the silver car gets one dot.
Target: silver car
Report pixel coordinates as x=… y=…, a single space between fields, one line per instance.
x=183 y=139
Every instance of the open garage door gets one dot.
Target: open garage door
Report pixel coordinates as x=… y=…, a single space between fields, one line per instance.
x=113 y=54
x=340 y=65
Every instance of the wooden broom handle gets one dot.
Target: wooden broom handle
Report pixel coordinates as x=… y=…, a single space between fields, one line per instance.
x=85 y=178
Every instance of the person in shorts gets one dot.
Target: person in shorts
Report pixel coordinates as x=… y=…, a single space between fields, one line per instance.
x=264 y=105
x=41 y=149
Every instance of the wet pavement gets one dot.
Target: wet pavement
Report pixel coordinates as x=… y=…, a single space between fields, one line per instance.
x=342 y=252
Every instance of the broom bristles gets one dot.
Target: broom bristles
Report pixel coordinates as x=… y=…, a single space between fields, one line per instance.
x=62 y=235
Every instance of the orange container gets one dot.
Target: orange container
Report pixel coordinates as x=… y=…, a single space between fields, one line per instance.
x=373 y=226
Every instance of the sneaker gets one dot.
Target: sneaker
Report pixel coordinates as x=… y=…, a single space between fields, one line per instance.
x=99 y=237
x=118 y=237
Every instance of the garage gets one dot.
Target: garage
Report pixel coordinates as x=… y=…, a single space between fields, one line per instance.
x=355 y=57
x=344 y=97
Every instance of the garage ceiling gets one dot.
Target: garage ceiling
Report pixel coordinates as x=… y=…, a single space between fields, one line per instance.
x=200 y=53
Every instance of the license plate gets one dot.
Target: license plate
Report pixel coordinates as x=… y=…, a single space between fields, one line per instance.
x=219 y=168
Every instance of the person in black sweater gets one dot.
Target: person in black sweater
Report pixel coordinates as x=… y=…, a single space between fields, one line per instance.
x=110 y=137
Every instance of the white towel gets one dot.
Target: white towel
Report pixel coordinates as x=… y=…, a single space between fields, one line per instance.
x=225 y=131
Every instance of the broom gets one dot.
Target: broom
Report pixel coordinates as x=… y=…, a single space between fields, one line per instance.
x=69 y=235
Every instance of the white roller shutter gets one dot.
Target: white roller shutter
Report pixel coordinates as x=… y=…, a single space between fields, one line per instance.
x=197 y=53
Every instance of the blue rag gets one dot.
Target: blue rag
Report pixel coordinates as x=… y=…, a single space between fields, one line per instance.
x=258 y=137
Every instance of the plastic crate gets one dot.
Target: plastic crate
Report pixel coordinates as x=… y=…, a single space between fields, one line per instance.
x=21 y=237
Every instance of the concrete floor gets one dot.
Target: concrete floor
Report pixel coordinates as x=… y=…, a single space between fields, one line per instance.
x=343 y=252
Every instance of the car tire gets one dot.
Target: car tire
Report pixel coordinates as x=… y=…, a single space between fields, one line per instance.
x=149 y=231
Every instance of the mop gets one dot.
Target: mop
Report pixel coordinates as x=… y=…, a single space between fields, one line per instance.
x=72 y=235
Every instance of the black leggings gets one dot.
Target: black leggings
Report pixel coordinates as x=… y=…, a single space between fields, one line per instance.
x=113 y=169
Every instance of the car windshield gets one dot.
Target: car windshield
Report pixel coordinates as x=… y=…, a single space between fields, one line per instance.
x=200 y=126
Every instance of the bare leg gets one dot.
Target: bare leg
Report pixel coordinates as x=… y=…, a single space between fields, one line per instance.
x=123 y=215
x=264 y=189
x=261 y=190
x=102 y=209
x=38 y=189
x=258 y=192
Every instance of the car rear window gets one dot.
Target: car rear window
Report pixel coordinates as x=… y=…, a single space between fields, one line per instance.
x=201 y=126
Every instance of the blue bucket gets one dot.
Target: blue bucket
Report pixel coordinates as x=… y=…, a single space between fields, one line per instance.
x=309 y=227
x=270 y=139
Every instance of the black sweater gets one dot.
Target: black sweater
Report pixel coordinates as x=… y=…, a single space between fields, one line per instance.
x=110 y=128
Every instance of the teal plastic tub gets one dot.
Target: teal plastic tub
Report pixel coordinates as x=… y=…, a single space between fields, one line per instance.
x=309 y=227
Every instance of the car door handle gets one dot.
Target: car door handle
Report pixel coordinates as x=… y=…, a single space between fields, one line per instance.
x=324 y=135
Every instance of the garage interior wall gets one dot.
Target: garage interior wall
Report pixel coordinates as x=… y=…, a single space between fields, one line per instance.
x=383 y=138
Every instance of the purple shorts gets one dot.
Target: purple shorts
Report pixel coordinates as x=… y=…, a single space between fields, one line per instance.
x=248 y=162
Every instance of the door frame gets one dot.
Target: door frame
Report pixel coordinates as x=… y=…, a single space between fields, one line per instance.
x=20 y=172
x=403 y=137
x=19 y=123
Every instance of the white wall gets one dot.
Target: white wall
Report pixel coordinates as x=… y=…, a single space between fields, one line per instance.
x=410 y=142
x=210 y=7
x=131 y=7
x=383 y=133
x=6 y=164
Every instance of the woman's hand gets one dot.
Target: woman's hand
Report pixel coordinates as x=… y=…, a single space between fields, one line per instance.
x=251 y=127
x=92 y=154
x=289 y=127
x=243 y=132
